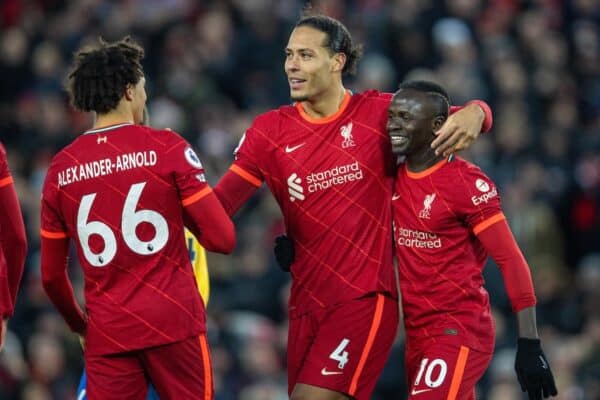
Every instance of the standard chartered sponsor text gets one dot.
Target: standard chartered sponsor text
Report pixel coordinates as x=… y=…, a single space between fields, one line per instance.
x=106 y=166
x=417 y=239
x=335 y=176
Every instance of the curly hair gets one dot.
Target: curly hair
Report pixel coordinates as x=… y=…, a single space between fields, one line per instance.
x=338 y=39
x=101 y=73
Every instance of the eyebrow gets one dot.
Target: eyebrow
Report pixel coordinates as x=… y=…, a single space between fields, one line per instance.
x=301 y=49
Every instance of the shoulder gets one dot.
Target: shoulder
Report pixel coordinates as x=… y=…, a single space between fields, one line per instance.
x=373 y=95
x=466 y=168
x=168 y=135
x=469 y=181
x=371 y=105
x=271 y=117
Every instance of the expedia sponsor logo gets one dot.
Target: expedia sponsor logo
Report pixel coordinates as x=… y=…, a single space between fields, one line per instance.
x=484 y=198
x=417 y=239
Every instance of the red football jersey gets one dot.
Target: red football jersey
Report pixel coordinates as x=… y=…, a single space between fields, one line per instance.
x=118 y=193
x=437 y=215
x=6 y=302
x=5 y=177
x=13 y=241
x=333 y=179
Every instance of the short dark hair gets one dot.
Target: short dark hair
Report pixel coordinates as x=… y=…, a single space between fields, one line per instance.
x=100 y=74
x=338 y=39
x=434 y=90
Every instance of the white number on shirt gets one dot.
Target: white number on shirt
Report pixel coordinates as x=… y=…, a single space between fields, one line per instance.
x=339 y=354
x=429 y=372
x=130 y=220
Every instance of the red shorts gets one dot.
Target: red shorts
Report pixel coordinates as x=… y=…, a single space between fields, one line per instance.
x=343 y=348
x=442 y=370
x=180 y=370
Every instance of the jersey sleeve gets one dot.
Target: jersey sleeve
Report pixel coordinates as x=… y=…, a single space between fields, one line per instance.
x=52 y=223
x=5 y=176
x=476 y=199
x=187 y=171
x=247 y=154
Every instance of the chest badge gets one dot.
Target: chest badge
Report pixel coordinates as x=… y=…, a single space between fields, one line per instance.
x=347 y=139
x=425 y=213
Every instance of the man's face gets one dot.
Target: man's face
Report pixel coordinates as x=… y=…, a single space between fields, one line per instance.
x=308 y=64
x=139 y=100
x=410 y=121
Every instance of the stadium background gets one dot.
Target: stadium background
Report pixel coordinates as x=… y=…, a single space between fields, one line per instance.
x=211 y=66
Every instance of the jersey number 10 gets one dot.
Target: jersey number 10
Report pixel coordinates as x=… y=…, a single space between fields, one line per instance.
x=130 y=219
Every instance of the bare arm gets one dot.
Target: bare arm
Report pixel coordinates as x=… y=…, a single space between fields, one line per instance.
x=462 y=127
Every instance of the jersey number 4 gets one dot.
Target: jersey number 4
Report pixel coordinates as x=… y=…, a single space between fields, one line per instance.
x=130 y=219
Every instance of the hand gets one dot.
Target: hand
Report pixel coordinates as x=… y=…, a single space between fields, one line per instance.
x=82 y=342
x=459 y=131
x=3 y=332
x=533 y=370
x=284 y=252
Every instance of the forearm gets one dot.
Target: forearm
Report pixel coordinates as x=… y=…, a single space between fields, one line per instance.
x=57 y=285
x=481 y=109
x=527 y=323
x=233 y=191
x=501 y=245
x=211 y=225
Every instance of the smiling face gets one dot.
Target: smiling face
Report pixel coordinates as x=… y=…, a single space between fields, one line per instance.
x=412 y=121
x=310 y=67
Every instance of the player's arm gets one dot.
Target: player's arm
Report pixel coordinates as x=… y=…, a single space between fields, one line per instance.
x=13 y=240
x=533 y=370
x=54 y=256
x=235 y=188
x=54 y=253
x=205 y=217
x=462 y=127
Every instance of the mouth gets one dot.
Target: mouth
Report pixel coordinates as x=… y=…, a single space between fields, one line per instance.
x=296 y=83
x=398 y=139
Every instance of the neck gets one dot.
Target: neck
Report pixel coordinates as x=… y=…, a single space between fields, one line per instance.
x=421 y=160
x=114 y=117
x=328 y=103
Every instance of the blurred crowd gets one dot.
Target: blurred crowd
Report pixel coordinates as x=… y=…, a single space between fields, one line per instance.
x=212 y=66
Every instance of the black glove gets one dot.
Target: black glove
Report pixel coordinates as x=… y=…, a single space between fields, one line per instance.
x=533 y=370
x=284 y=252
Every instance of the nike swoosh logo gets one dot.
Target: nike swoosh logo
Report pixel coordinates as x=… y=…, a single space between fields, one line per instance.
x=289 y=149
x=325 y=372
x=395 y=197
x=415 y=392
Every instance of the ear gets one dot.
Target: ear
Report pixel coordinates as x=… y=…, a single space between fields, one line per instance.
x=129 y=89
x=339 y=60
x=437 y=122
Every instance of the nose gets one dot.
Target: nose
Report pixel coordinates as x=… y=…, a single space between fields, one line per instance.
x=391 y=124
x=291 y=64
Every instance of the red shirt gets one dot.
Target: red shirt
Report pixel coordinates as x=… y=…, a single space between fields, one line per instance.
x=333 y=180
x=437 y=215
x=13 y=243
x=118 y=192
